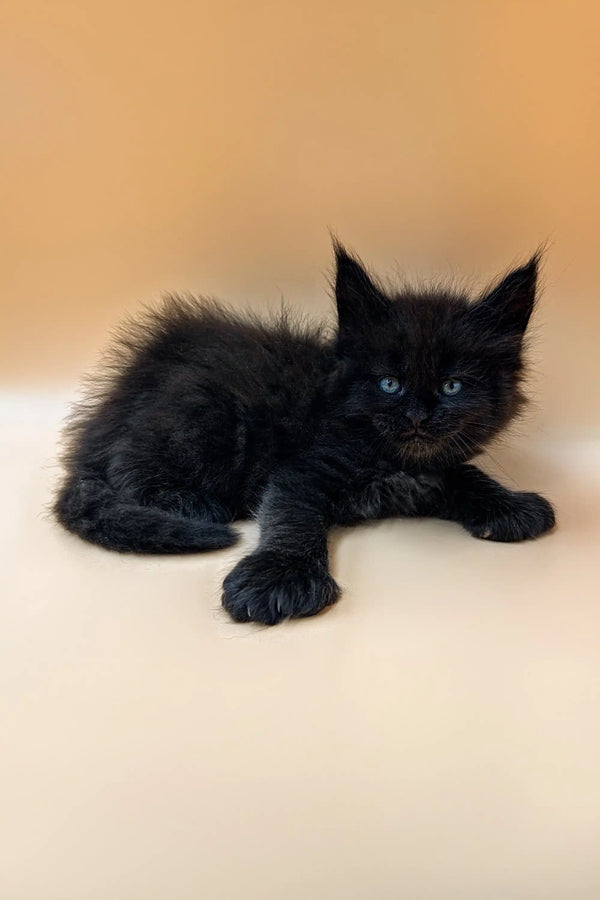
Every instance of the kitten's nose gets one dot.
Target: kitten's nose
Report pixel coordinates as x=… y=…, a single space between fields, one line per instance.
x=417 y=417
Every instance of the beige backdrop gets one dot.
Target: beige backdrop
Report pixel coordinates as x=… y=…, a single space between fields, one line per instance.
x=209 y=146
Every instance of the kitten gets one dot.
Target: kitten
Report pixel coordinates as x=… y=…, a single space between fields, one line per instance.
x=206 y=416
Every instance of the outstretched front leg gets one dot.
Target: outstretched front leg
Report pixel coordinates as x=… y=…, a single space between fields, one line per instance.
x=490 y=511
x=464 y=494
x=288 y=574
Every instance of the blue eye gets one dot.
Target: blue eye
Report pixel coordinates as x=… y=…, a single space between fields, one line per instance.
x=389 y=385
x=451 y=387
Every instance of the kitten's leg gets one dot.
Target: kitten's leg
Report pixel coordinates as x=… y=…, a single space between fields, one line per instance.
x=195 y=504
x=393 y=495
x=172 y=522
x=466 y=495
x=287 y=576
x=490 y=511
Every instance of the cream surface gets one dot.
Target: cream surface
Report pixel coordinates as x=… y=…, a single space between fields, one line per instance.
x=442 y=741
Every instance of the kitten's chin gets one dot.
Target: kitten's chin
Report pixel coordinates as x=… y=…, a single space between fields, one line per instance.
x=420 y=448
x=446 y=450
x=423 y=448
x=416 y=447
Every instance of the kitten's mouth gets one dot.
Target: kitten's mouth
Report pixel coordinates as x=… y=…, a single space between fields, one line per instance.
x=418 y=444
x=423 y=445
x=419 y=437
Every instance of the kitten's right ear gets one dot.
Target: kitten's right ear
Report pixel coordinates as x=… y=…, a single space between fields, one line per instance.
x=359 y=300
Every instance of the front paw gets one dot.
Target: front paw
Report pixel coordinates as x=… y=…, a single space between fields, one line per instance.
x=519 y=516
x=267 y=587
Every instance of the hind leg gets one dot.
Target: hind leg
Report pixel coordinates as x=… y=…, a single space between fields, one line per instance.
x=192 y=504
x=87 y=506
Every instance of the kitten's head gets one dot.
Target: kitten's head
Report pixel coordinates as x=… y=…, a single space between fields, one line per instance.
x=438 y=375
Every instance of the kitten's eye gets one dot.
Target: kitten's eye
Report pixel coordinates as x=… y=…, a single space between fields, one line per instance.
x=389 y=385
x=451 y=387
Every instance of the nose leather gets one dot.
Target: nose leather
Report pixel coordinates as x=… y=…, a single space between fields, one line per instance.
x=416 y=417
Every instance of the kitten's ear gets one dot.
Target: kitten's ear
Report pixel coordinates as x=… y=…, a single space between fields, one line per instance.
x=508 y=306
x=359 y=300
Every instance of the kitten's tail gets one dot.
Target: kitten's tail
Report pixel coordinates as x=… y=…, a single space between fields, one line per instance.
x=90 y=508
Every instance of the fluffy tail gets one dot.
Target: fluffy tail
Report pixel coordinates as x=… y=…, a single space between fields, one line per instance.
x=90 y=508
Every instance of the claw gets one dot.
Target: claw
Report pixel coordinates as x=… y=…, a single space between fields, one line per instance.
x=248 y=610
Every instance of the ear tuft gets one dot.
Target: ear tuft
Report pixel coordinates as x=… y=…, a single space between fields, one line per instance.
x=509 y=305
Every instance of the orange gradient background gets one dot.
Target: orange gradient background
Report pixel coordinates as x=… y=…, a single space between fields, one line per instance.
x=210 y=147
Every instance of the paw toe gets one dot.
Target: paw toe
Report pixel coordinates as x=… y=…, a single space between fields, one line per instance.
x=524 y=517
x=266 y=588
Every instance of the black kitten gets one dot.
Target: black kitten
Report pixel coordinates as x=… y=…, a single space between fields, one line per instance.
x=207 y=416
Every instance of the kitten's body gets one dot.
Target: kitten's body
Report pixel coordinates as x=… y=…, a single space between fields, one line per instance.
x=208 y=417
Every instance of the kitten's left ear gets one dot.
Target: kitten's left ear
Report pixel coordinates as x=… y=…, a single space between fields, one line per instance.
x=509 y=305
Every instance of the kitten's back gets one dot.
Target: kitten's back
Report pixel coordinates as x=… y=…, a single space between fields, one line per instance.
x=198 y=401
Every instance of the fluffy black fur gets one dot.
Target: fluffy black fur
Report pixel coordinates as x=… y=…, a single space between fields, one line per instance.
x=206 y=416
